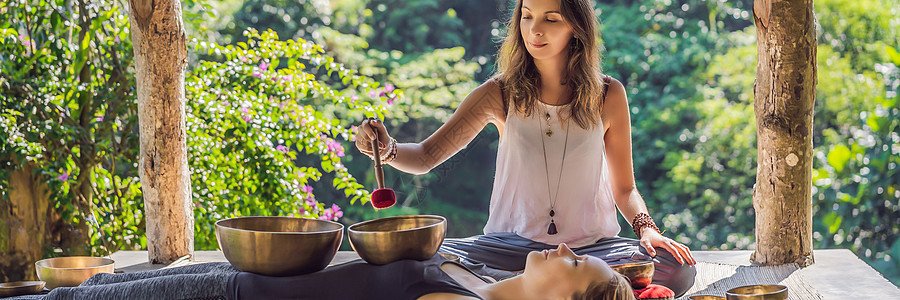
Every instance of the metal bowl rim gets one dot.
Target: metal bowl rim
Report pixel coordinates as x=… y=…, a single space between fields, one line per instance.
x=633 y=264
x=352 y=230
x=782 y=288
x=27 y=283
x=340 y=228
x=108 y=262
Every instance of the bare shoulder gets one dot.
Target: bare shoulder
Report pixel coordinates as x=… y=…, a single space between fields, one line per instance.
x=488 y=98
x=615 y=91
x=445 y=296
x=615 y=108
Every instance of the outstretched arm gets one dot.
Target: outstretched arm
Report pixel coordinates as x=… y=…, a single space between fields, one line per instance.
x=617 y=123
x=482 y=106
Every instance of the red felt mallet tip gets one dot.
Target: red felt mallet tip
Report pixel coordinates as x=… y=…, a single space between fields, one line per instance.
x=381 y=198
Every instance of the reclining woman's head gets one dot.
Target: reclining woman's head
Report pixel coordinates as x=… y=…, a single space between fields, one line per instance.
x=560 y=274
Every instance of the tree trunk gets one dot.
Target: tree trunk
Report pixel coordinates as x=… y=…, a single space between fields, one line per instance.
x=160 y=55
x=784 y=95
x=24 y=225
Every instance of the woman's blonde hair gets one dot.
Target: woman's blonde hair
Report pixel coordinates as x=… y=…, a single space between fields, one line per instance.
x=520 y=78
x=617 y=288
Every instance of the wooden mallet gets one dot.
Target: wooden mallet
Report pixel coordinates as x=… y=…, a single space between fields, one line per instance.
x=381 y=198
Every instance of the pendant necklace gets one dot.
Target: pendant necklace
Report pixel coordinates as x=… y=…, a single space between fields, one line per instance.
x=552 y=229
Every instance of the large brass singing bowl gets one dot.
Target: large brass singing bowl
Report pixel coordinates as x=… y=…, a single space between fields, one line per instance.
x=386 y=240
x=640 y=274
x=278 y=246
x=758 y=292
x=71 y=271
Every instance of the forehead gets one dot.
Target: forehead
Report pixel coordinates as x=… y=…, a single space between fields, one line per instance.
x=539 y=6
x=597 y=269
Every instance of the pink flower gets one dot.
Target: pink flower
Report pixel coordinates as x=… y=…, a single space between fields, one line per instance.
x=100 y=119
x=117 y=39
x=263 y=66
x=246 y=112
x=335 y=147
x=63 y=177
x=388 y=88
x=257 y=74
x=311 y=202
x=24 y=40
x=282 y=148
x=287 y=77
x=307 y=189
x=337 y=211
x=390 y=101
x=327 y=215
x=354 y=98
x=373 y=94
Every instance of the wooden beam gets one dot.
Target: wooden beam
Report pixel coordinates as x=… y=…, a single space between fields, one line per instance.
x=784 y=94
x=160 y=54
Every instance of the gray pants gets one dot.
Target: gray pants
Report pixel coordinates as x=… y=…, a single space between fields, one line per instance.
x=490 y=253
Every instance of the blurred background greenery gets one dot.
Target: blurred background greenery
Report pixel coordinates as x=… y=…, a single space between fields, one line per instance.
x=688 y=67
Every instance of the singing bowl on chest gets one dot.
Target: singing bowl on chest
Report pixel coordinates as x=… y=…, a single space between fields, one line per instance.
x=385 y=240
x=640 y=274
x=279 y=246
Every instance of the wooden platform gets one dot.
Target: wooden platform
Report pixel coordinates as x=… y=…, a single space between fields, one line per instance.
x=837 y=273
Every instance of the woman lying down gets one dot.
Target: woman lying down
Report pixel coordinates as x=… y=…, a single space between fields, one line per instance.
x=549 y=274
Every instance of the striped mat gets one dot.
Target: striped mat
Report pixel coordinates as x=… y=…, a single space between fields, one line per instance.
x=715 y=279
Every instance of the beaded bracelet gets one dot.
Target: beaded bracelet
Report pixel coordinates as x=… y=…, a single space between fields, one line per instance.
x=641 y=221
x=392 y=154
x=387 y=155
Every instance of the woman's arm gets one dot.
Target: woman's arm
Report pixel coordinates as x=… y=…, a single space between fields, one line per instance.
x=617 y=123
x=482 y=106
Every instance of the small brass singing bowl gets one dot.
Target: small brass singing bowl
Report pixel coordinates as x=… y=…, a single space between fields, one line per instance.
x=385 y=240
x=279 y=246
x=71 y=271
x=758 y=292
x=18 y=288
x=706 y=297
x=640 y=274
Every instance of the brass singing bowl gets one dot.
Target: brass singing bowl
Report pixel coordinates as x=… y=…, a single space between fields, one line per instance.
x=279 y=246
x=71 y=271
x=640 y=274
x=17 y=288
x=758 y=292
x=385 y=240
x=706 y=297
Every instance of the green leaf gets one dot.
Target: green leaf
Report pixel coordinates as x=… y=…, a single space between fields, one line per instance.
x=893 y=54
x=832 y=221
x=838 y=157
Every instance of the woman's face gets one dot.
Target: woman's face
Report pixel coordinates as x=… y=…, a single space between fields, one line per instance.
x=560 y=273
x=545 y=32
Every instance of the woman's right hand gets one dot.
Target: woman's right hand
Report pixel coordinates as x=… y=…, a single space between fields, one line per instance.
x=365 y=133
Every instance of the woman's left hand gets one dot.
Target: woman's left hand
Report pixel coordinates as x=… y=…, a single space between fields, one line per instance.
x=650 y=240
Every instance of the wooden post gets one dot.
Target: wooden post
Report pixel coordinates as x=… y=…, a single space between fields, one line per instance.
x=784 y=92
x=24 y=225
x=160 y=55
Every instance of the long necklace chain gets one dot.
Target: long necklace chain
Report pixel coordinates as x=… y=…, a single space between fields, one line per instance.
x=551 y=230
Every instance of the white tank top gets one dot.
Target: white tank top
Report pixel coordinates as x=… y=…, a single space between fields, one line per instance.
x=585 y=210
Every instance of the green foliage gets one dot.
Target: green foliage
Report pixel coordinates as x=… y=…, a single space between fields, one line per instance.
x=260 y=133
x=67 y=108
x=857 y=183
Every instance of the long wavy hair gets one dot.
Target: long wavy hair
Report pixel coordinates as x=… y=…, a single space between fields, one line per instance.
x=521 y=80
